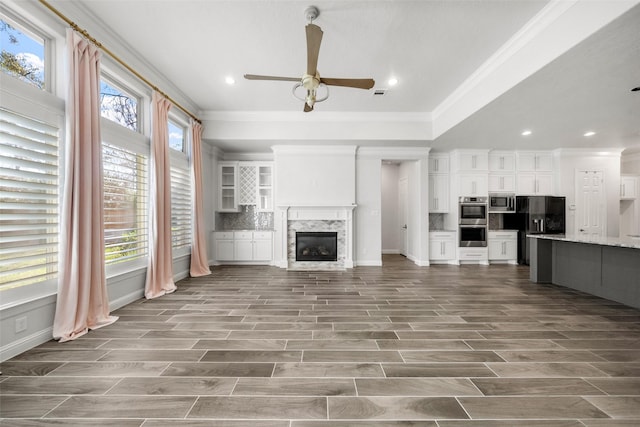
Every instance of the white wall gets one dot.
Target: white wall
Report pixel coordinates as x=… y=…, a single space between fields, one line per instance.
x=315 y=175
x=570 y=161
x=390 y=220
x=368 y=241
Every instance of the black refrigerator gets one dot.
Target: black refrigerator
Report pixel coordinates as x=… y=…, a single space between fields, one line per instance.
x=535 y=215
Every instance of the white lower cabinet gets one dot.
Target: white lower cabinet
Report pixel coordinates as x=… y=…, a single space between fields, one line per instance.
x=442 y=246
x=244 y=246
x=473 y=255
x=224 y=245
x=503 y=246
x=262 y=246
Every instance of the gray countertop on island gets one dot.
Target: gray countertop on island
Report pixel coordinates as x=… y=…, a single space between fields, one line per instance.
x=622 y=242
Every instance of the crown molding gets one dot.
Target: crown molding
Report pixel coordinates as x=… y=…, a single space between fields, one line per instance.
x=316 y=116
x=394 y=153
x=346 y=150
x=581 y=152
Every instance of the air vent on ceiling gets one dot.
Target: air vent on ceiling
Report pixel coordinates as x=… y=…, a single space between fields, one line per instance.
x=379 y=92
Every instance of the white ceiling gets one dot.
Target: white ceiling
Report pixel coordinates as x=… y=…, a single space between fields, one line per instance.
x=431 y=47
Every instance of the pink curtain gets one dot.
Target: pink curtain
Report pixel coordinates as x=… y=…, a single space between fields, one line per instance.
x=199 y=261
x=82 y=302
x=160 y=270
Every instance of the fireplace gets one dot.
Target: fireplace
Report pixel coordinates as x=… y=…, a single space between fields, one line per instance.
x=316 y=246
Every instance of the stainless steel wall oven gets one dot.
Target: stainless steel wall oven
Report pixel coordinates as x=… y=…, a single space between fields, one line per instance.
x=472 y=222
x=473 y=236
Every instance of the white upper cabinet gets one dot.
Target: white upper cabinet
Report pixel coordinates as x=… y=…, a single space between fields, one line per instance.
x=439 y=163
x=438 y=193
x=534 y=161
x=502 y=161
x=474 y=185
x=228 y=186
x=535 y=173
x=505 y=183
x=628 y=187
x=439 y=183
x=256 y=185
x=531 y=184
x=471 y=160
x=265 y=187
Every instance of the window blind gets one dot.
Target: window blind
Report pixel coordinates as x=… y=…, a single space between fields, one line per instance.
x=125 y=204
x=28 y=199
x=180 y=202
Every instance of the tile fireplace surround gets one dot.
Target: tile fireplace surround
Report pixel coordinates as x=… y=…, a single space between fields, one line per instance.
x=318 y=218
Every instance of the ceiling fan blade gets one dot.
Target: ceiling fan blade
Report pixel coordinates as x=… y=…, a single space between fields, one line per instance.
x=356 y=83
x=307 y=108
x=258 y=77
x=314 y=38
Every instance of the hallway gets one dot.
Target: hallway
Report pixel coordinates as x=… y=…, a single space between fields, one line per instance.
x=260 y=346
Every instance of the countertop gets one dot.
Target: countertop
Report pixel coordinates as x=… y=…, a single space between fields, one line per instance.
x=453 y=231
x=246 y=229
x=622 y=242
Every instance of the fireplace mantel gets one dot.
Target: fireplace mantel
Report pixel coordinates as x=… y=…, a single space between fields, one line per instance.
x=314 y=212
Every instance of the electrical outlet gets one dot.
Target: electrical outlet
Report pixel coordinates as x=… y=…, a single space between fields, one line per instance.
x=21 y=324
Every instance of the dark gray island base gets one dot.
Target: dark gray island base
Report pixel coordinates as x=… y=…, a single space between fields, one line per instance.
x=608 y=268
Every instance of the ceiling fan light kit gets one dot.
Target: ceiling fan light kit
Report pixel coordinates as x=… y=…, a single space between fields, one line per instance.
x=311 y=80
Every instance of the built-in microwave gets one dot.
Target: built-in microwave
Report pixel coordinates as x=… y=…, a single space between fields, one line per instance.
x=502 y=202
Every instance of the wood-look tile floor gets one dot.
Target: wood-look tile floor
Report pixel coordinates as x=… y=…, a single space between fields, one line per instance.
x=394 y=346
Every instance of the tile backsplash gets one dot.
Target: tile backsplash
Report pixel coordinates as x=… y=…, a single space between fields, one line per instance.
x=246 y=219
x=436 y=221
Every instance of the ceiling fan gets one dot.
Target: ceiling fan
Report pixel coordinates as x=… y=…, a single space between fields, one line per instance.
x=312 y=80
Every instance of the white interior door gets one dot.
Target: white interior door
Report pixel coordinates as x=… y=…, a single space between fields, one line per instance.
x=403 y=194
x=590 y=204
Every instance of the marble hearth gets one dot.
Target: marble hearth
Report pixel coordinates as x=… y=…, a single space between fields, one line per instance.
x=337 y=219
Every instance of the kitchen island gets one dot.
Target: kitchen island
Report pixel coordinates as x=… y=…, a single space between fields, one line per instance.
x=607 y=267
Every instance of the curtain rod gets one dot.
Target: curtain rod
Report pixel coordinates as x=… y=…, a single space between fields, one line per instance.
x=116 y=58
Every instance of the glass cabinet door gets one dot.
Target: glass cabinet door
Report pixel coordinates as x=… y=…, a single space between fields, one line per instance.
x=265 y=188
x=227 y=201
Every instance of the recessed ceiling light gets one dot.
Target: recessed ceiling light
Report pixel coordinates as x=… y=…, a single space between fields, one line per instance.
x=393 y=81
x=230 y=80
x=526 y=132
x=590 y=133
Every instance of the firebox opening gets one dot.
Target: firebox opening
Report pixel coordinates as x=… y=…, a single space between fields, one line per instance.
x=316 y=246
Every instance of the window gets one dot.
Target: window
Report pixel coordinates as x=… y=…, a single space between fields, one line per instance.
x=22 y=53
x=28 y=200
x=118 y=106
x=180 y=188
x=176 y=136
x=125 y=204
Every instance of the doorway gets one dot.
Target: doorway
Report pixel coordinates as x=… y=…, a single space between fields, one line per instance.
x=395 y=201
x=591 y=202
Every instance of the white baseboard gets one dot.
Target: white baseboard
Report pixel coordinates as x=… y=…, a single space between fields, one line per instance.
x=127 y=299
x=391 y=252
x=27 y=343
x=369 y=263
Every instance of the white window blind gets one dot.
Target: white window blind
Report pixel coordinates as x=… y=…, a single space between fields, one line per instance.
x=180 y=202
x=125 y=204
x=28 y=200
